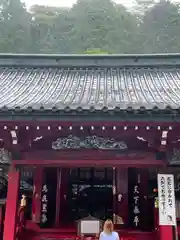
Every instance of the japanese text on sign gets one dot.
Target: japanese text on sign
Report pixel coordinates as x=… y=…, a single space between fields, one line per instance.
x=44 y=204
x=167 y=212
x=136 y=206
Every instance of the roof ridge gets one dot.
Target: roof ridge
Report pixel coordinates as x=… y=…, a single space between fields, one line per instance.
x=88 y=55
x=89 y=60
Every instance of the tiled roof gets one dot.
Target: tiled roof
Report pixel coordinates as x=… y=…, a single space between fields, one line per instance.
x=86 y=87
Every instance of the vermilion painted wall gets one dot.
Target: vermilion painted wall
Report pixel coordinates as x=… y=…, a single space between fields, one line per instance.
x=166 y=233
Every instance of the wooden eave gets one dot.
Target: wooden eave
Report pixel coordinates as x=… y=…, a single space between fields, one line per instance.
x=79 y=114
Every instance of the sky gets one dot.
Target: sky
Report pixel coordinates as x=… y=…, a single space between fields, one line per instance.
x=68 y=3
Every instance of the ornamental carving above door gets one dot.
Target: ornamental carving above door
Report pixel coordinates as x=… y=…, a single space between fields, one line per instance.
x=89 y=142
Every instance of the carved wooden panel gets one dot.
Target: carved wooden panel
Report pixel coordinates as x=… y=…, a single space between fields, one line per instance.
x=90 y=142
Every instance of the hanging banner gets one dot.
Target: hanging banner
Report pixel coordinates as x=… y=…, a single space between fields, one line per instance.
x=166 y=196
x=134 y=198
x=136 y=201
x=48 y=197
x=136 y=205
x=44 y=204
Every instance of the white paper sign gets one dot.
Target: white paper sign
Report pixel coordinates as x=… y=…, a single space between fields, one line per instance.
x=166 y=196
x=90 y=227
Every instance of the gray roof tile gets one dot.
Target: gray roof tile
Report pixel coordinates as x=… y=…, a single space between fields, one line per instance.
x=74 y=87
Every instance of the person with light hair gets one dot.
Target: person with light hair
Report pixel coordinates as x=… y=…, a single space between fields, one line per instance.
x=108 y=232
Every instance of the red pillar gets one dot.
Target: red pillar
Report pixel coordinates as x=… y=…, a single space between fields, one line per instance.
x=1 y=215
x=38 y=178
x=1 y=220
x=122 y=189
x=63 y=218
x=144 y=177
x=166 y=232
x=11 y=205
x=58 y=196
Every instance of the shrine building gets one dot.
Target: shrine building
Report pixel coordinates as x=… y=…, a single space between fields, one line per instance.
x=85 y=137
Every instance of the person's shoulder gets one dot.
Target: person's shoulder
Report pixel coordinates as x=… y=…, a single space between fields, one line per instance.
x=115 y=233
x=102 y=235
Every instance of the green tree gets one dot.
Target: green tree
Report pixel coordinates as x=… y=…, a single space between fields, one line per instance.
x=90 y=27
x=160 y=29
x=104 y=26
x=14 y=27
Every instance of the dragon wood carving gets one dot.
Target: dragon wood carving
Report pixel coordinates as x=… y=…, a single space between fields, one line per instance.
x=89 y=142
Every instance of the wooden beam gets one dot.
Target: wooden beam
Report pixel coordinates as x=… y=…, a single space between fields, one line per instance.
x=87 y=154
x=93 y=163
x=106 y=122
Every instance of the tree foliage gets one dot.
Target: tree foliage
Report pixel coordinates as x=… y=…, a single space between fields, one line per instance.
x=90 y=27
